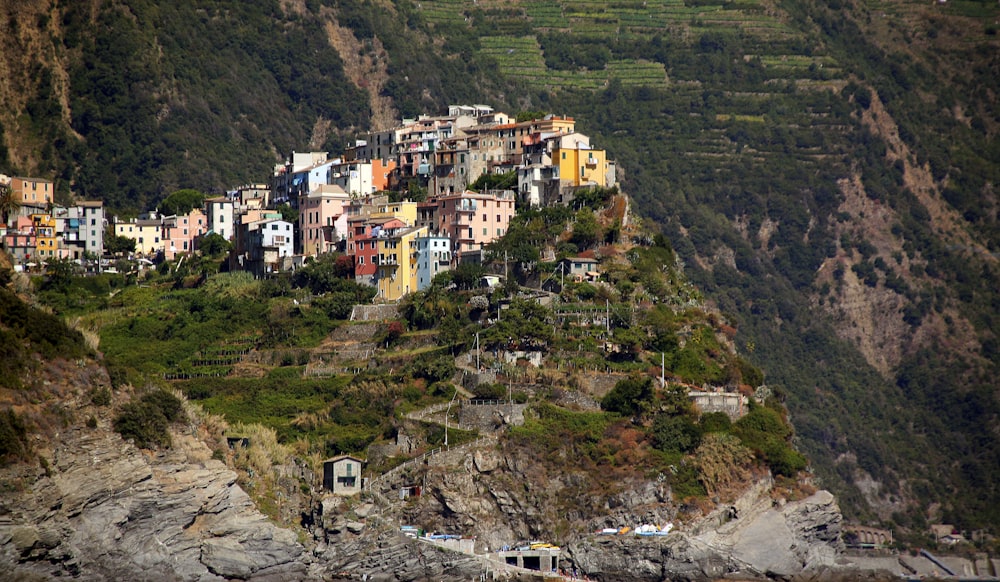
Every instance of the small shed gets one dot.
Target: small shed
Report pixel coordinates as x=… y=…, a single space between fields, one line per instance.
x=342 y=475
x=582 y=268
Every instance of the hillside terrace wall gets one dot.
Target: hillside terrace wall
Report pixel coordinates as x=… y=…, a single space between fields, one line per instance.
x=374 y=312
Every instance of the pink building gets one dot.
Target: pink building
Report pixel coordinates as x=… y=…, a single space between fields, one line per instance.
x=20 y=240
x=322 y=219
x=180 y=232
x=473 y=219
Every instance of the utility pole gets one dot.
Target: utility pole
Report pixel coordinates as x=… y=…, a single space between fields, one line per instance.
x=446 y=414
x=477 y=352
x=663 y=360
x=607 y=314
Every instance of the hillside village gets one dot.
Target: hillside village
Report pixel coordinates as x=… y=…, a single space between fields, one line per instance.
x=402 y=206
x=398 y=203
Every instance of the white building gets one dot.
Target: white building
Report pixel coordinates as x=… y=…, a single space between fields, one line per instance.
x=221 y=216
x=269 y=243
x=355 y=177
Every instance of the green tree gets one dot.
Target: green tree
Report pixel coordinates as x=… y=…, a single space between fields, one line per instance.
x=632 y=396
x=322 y=274
x=675 y=434
x=181 y=202
x=505 y=181
x=586 y=230
x=118 y=245
x=529 y=115
x=213 y=245
x=675 y=401
x=764 y=431
x=8 y=203
x=59 y=274
x=288 y=214
x=467 y=275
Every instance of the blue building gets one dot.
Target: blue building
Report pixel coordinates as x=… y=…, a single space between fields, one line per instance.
x=433 y=257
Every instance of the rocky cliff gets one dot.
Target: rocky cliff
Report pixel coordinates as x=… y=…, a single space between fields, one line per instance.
x=753 y=538
x=96 y=507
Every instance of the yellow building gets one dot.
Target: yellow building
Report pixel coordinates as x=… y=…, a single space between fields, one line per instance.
x=405 y=211
x=547 y=124
x=46 y=246
x=147 y=235
x=582 y=166
x=397 y=263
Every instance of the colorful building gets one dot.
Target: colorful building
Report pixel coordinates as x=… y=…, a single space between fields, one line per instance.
x=322 y=219
x=145 y=232
x=474 y=219
x=397 y=263
x=182 y=231
x=32 y=192
x=46 y=245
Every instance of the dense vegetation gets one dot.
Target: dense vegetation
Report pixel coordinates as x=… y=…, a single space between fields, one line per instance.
x=28 y=334
x=740 y=128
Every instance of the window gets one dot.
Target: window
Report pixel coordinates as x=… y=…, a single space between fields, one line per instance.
x=93 y=221
x=484 y=231
x=498 y=218
x=564 y=155
x=484 y=218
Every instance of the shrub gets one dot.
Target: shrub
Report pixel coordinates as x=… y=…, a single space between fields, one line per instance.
x=764 y=431
x=13 y=437
x=631 y=397
x=100 y=397
x=675 y=434
x=146 y=421
x=716 y=422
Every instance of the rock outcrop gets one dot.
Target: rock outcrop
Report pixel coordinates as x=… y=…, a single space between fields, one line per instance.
x=756 y=539
x=103 y=509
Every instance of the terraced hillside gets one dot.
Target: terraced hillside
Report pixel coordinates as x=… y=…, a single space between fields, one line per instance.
x=508 y=33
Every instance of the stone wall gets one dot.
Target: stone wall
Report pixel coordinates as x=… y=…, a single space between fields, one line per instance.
x=492 y=416
x=374 y=312
x=598 y=384
x=733 y=404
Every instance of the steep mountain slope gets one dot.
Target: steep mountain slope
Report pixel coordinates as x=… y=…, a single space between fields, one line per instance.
x=827 y=170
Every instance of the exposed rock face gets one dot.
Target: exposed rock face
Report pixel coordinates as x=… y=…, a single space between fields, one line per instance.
x=758 y=540
x=109 y=511
x=388 y=556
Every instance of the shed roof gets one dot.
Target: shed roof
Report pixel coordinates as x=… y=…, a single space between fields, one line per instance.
x=343 y=457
